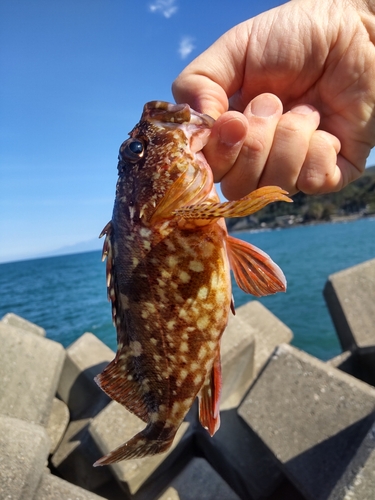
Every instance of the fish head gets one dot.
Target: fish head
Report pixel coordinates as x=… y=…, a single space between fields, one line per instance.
x=161 y=166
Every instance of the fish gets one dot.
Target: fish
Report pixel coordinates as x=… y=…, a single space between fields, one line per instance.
x=168 y=260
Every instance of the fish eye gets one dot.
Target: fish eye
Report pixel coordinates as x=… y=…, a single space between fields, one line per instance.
x=131 y=150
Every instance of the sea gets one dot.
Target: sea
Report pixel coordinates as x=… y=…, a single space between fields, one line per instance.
x=66 y=295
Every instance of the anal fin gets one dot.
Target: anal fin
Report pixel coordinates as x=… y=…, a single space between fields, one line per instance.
x=209 y=399
x=254 y=270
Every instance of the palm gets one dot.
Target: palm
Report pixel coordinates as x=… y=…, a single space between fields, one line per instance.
x=340 y=92
x=307 y=54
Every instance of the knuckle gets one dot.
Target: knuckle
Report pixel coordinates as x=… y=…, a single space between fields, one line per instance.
x=255 y=147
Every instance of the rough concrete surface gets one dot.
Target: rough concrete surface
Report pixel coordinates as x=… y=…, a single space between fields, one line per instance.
x=53 y=488
x=76 y=454
x=198 y=481
x=268 y=331
x=311 y=416
x=240 y=457
x=24 y=450
x=21 y=323
x=30 y=368
x=113 y=427
x=344 y=361
x=358 y=480
x=57 y=423
x=85 y=358
x=350 y=299
x=249 y=339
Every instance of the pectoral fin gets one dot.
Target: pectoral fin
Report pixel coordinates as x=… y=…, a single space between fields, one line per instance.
x=191 y=187
x=209 y=399
x=254 y=270
x=239 y=208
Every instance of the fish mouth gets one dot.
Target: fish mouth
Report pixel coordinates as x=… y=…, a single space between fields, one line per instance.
x=176 y=114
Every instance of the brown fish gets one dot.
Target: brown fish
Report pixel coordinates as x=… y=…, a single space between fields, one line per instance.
x=168 y=275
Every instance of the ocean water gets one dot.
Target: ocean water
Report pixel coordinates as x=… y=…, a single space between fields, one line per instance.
x=66 y=295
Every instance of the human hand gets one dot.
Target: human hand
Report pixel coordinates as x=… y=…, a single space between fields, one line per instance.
x=299 y=81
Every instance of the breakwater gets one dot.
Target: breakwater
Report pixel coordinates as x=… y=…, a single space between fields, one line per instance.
x=292 y=426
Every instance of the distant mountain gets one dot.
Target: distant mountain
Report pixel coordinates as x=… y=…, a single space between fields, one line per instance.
x=85 y=246
x=355 y=200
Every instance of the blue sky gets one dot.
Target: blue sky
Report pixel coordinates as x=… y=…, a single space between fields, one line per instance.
x=74 y=75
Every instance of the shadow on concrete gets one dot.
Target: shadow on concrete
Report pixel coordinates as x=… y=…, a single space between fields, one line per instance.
x=316 y=471
x=87 y=400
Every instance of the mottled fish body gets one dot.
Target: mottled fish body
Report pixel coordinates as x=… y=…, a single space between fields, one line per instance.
x=168 y=276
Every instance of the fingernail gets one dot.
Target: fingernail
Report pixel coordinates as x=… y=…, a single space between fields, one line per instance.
x=302 y=109
x=232 y=132
x=264 y=105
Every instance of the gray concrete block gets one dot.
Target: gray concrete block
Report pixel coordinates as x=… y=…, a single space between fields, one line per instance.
x=311 y=416
x=249 y=339
x=358 y=480
x=21 y=323
x=53 y=488
x=359 y=364
x=113 y=427
x=198 y=481
x=23 y=453
x=75 y=456
x=343 y=361
x=57 y=423
x=85 y=359
x=237 y=361
x=30 y=368
x=170 y=494
x=366 y=364
x=349 y=362
x=350 y=299
x=241 y=458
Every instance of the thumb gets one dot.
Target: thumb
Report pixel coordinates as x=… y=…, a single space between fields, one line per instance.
x=201 y=93
x=214 y=76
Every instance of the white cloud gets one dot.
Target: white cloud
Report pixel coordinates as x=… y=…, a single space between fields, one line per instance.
x=186 y=46
x=166 y=7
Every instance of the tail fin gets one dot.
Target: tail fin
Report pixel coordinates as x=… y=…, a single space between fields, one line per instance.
x=141 y=445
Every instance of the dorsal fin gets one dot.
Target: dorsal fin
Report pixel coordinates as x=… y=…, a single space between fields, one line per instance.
x=107 y=254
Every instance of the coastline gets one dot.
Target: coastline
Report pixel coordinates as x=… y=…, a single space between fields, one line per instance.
x=287 y=222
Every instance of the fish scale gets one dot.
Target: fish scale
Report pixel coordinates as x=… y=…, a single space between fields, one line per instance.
x=168 y=276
